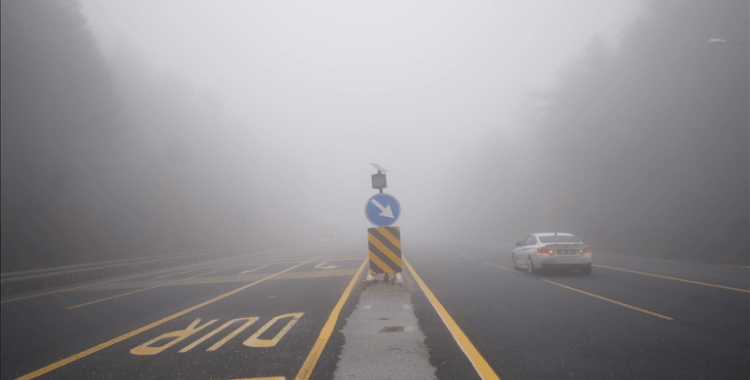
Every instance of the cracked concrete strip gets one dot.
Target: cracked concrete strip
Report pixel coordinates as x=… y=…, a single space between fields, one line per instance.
x=372 y=352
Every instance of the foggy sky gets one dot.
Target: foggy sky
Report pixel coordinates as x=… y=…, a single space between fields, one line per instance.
x=328 y=87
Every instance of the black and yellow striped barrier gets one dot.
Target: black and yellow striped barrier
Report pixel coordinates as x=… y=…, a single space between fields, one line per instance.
x=385 y=249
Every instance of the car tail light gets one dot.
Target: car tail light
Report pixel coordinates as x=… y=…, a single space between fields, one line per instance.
x=585 y=250
x=545 y=250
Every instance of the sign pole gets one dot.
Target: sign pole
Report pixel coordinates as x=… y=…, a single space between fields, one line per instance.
x=384 y=241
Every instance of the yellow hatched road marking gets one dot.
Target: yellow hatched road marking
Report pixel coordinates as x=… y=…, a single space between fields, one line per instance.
x=227 y=279
x=611 y=300
x=141 y=290
x=133 y=333
x=387 y=252
x=674 y=278
x=387 y=234
x=87 y=286
x=483 y=368
x=312 y=358
x=251 y=270
x=375 y=259
x=175 y=274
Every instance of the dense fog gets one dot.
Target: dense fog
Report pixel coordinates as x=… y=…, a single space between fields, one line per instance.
x=143 y=128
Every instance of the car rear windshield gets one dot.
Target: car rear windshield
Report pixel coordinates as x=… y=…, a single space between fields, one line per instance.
x=559 y=239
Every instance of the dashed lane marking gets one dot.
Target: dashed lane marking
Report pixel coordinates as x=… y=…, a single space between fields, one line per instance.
x=222 y=279
x=582 y=292
x=160 y=322
x=291 y=260
x=312 y=358
x=673 y=278
x=87 y=286
x=175 y=274
x=466 y=256
x=252 y=270
x=500 y=266
x=610 y=300
x=487 y=262
x=139 y=290
x=477 y=360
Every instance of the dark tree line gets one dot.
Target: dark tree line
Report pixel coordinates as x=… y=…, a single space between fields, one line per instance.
x=103 y=160
x=639 y=149
x=56 y=101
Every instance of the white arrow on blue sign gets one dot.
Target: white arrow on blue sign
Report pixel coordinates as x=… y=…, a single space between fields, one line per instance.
x=382 y=210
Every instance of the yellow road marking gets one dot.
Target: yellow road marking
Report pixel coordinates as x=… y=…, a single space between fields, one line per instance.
x=86 y=286
x=589 y=294
x=133 y=333
x=174 y=274
x=142 y=290
x=248 y=321
x=174 y=336
x=674 y=278
x=255 y=341
x=252 y=270
x=228 y=279
x=487 y=262
x=320 y=266
x=500 y=266
x=483 y=368
x=349 y=257
x=611 y=300
x=312 y=358
x=358 y=257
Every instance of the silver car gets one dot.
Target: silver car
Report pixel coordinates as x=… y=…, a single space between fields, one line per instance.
x=552 y=249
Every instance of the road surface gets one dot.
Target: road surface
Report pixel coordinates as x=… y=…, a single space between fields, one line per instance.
x=282 y=314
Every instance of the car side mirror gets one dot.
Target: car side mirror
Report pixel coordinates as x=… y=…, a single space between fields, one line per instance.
x=519 y=244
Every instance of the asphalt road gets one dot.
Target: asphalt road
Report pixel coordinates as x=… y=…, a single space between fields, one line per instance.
x=620 y=322
x=177 y=324
x=262 y=315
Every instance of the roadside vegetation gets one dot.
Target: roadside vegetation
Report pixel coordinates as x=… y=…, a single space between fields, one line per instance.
x=103 y=159
x=640 y=148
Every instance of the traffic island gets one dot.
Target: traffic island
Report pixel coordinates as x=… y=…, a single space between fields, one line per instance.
x=382 y=338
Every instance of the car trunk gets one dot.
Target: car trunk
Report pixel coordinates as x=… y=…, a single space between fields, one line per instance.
x=566 y=248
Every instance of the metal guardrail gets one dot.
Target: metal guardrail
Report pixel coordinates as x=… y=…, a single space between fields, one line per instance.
x=66 y=271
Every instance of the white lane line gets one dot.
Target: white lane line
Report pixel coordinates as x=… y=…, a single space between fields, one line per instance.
x=252 y=270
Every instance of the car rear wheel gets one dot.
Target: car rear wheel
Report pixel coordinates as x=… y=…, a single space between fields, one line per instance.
x=530 y=266
x=586 y=269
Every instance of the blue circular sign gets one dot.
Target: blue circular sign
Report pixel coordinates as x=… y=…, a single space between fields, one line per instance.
x=382 y=210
